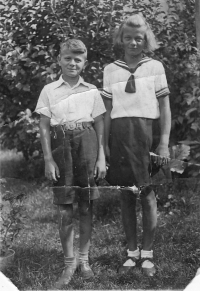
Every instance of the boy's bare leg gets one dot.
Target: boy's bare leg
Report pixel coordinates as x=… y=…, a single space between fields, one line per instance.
x=129 y=218
x=85 y=217
x=66 y=230
x=85 y=213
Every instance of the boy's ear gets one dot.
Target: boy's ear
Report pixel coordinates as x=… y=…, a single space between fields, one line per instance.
x=85 y=65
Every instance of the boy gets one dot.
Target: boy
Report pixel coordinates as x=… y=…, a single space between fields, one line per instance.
x=73 y=151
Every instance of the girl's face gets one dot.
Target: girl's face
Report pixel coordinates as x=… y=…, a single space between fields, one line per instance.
x=133 y=40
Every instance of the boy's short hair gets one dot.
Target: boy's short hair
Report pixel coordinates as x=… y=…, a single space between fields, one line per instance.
x=136 y=20
x=76 y=46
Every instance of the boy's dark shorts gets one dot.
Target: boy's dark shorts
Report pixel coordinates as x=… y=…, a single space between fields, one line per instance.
x=75 y=153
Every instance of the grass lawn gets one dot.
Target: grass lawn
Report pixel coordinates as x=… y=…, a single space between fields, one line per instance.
x=39 y=259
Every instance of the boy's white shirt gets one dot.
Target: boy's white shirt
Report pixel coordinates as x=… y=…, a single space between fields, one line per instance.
x=150 y=82
x=63 y=103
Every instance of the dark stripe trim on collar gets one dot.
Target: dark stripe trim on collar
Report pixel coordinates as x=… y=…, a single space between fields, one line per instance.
x=124 y=65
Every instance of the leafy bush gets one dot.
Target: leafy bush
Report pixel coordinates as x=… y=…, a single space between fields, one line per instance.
x=30 y=32
x=12 y=217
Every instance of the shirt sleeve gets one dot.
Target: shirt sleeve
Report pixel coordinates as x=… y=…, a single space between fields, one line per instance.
x=98 y=107
x=107 y=92
x=161 y=86
x=43 y=105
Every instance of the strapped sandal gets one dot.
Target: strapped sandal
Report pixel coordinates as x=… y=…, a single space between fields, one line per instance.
x=149 y=272
x=129 y=265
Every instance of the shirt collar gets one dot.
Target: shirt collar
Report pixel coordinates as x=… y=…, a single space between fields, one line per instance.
x=121 y=63
x=60 y=81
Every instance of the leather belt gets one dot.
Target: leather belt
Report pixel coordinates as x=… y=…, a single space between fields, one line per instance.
x=74 y=125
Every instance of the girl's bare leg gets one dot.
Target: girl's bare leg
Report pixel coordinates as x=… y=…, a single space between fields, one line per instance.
x=149 y=207
x=129 y=218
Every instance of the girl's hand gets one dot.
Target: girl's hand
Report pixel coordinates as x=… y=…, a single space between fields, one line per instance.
x=163 y=152
x=100 y=169
x=51 y=170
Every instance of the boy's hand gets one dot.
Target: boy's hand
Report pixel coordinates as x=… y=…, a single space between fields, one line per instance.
x=100 y=169
x=163 y=152
x=51 y=170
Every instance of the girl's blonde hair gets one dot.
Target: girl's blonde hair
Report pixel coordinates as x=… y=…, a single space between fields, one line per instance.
x=136 y=20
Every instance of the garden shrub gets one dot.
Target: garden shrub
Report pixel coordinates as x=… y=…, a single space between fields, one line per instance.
x=30 y=33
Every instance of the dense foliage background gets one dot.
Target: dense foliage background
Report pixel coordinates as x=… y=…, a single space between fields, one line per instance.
x=30 y=33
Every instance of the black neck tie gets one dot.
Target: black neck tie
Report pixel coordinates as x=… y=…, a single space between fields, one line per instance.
x=130 y=86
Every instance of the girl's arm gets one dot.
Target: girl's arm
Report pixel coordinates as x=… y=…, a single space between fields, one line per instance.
x=165 y=126
x=100 y=167
x=107 y=123
x=51 y=169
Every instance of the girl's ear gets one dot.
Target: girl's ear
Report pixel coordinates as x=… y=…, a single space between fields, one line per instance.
x=58 y=59
x=145 y=49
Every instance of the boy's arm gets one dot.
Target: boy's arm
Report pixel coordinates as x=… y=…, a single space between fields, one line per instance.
x=51 y=169
x=100 y=167
x=107 y=123
x=165 y=126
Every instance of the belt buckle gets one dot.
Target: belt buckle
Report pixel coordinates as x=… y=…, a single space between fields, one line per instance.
x=71 y=125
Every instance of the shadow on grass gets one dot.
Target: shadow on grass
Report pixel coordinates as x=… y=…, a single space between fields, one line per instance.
x=108 y=206
x=35 y=268
x=47 y=219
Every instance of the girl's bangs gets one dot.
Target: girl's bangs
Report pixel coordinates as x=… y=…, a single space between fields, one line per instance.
x=136 y=21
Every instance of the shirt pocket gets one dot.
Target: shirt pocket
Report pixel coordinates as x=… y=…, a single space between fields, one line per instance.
x=84 y=104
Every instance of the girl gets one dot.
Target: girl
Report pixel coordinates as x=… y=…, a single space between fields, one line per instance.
x=136 y=93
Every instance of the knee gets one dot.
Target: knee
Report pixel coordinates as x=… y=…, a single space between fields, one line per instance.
x=128 y=199
x=65 y=216
x=149 y=200
x=83 y=212
x=85 y=209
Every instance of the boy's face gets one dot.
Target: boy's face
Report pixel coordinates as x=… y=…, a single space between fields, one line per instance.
x=71 y=63
x=133 y=39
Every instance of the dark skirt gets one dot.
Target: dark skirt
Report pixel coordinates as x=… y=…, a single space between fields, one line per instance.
x=75 y=153
x=130 y=144
x=131 y=141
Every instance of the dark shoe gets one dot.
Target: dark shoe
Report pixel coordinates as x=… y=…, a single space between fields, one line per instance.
x=126 y=269
x=85 y=270
x=149 y=272
x=65 y=277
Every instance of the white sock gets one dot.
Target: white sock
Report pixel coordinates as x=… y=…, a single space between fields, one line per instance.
x=70 y=261
x=147 y=263
x=82 y=257
x=132 y=254
x=135 y=254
